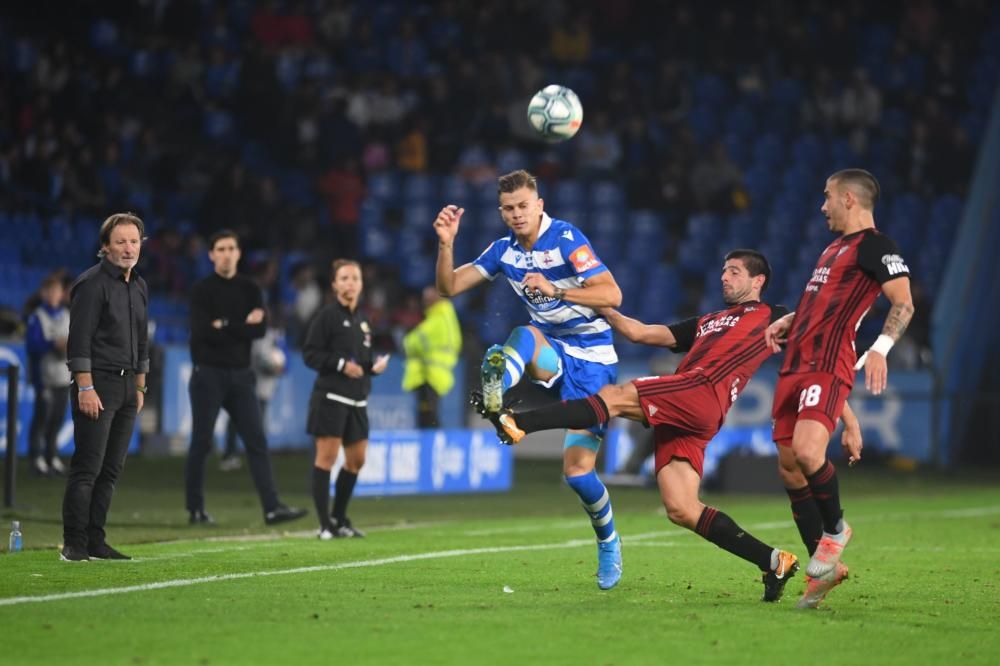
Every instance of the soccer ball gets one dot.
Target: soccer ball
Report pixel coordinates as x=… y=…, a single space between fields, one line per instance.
x=555 y=112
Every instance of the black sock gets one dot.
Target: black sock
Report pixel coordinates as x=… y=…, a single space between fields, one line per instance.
x=720 y=529
x=321 y=495
x=343 y=490
x=823 y=483
x=573 y=414
x=805 y=511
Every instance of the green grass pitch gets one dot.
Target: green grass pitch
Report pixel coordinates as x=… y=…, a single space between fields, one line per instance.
x=498 y=579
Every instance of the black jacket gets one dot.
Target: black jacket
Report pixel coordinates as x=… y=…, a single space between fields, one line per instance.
x=230 y=300
x=337 y=335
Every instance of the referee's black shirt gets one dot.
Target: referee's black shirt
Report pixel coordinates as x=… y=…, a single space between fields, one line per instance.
x=108 y=321
x=336 y=336
x=231 y=300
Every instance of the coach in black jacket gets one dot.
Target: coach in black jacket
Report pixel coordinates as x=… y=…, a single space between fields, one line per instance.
x=227 y=315
x=339 y=347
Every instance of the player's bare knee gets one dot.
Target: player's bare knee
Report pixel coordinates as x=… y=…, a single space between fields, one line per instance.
x=682 y=515
x=618 y=398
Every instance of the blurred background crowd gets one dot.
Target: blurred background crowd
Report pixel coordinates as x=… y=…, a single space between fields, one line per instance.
x=327 y=128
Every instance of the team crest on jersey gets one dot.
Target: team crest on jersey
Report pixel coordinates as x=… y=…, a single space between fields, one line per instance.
x=894 y=264
x=547 y=258
x=365 y=328
x=583 y=259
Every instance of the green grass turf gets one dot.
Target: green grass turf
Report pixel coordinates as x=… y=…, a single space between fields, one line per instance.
x=923 y=587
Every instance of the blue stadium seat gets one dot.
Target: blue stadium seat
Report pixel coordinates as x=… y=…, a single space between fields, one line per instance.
x=607 y=194
x=383 y=186
x=455 y=190
x=420 y=188
x=646 y=224
x=768 y=151
x=569 y=193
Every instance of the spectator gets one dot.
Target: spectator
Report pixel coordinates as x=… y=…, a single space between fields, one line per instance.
x=48 y=331
x=344 y=191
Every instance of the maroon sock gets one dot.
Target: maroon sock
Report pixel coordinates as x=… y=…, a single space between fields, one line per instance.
x=805 y=511
x=574 y=414
x=823 y=483
x=720 y=529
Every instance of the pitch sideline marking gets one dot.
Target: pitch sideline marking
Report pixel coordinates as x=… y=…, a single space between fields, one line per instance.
x=186 y=582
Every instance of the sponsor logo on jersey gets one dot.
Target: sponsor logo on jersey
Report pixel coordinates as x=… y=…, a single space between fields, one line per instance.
x=536 y=297
x=819 y=277
x=583 y=259
x=717 y=325
x=652 y=410
x=894 y=264
x=568 y=235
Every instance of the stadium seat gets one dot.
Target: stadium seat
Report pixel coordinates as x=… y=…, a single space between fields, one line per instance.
x=420 y=188
x=606 y=194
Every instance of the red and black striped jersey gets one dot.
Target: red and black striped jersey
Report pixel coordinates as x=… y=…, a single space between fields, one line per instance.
x=726 y=347
x=846 y=281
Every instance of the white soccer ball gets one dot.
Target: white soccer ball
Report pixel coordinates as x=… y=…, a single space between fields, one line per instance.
x=555 y=112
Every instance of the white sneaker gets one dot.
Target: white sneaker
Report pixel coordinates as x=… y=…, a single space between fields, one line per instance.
x=57 y=466
x=827 y=554
x=324 y=535
x=230 y=463
x=41 y=467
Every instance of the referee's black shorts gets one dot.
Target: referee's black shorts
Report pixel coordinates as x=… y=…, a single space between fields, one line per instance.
x=332 y=418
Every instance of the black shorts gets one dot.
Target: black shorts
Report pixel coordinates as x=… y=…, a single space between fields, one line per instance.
x=330 y=418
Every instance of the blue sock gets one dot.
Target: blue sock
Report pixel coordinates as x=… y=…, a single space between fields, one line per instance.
x=518 y=351
x=596 y=502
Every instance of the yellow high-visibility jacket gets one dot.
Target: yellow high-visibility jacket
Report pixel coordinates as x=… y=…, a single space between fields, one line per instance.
x=432 y=349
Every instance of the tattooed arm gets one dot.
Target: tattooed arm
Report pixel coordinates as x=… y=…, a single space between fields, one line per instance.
x=900 y=313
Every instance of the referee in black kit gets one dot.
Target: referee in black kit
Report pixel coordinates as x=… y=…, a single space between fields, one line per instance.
x=227 y=315
x=108 y=355
x=338 y=346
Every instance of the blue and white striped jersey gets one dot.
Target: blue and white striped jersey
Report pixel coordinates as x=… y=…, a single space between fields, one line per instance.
x=563 y=255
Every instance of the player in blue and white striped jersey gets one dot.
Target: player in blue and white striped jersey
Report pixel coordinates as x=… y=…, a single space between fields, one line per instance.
x=555 y=272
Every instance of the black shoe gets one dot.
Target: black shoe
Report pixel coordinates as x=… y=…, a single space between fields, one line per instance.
x=73 y=554
x=775 y=579
x=105 y=552
x=199 y=517
x=343 y=529
x=479 y=404
x=283 y=514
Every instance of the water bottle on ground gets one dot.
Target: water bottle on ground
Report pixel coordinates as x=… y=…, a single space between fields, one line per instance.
x=15 y=544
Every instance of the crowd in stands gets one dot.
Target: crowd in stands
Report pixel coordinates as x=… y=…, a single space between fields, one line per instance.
x=272 y=118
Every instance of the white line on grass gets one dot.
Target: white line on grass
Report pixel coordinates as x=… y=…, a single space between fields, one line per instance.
x=186 y=582
x=972 y=512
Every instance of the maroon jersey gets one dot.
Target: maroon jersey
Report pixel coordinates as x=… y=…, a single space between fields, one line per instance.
x=726 y=347
x=846 y=281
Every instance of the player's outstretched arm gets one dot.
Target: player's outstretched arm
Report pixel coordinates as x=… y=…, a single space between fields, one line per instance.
x=449 y=280
x=900 y=314
x=636 y=331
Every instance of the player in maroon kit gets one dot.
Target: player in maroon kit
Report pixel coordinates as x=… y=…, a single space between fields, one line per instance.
x=820 y=364
x=687 y=409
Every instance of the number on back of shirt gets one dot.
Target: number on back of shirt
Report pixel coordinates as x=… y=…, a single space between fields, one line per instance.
x=810 y=396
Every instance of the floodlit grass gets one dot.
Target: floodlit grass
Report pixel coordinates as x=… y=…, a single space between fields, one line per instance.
x=498 y=579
